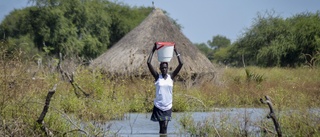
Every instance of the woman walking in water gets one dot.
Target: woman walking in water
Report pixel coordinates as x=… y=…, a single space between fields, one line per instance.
x=164 y=84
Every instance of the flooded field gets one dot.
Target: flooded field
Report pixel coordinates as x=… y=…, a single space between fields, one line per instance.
x=139 y=124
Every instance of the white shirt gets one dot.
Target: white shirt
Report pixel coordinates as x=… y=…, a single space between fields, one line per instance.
x=163 y=99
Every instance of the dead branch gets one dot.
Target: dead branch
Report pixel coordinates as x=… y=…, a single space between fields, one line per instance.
x=311 y=59
x=215 y=129
x=66 y=117
x=272 y=115
x=75 y=85
x=59 y=68
x=265 y=129
x=45 y=110
x=70 y=78
x=75 y=130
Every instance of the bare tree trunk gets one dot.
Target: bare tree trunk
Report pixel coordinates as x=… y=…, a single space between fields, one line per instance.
x=45 y=110
x=272 y=115
x=244 y=64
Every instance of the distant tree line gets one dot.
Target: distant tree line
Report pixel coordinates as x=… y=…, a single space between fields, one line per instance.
x=271 y=41
x=87 y=28
x=84 y=28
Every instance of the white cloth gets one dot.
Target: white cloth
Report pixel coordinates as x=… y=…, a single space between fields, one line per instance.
x=163 y=99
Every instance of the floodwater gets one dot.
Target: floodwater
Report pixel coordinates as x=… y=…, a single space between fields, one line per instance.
x=140 y=125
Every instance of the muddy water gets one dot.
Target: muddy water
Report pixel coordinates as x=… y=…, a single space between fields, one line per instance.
x=139 y=124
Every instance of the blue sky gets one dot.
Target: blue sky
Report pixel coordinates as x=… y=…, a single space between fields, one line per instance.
x=203 y=19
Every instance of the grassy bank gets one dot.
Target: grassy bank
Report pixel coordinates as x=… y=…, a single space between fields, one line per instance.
x=294 y=94
x=91 y=96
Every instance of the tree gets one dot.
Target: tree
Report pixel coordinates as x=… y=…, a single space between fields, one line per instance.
x=221 y=55
x=306 y=30
x=124 y=19
x=208 y=52
x=84 y=28
x=219 y=41
x=217 y=50
x=266 y=43
x=274 y=41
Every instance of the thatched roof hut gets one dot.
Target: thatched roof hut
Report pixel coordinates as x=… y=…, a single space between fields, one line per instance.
x=129 y=55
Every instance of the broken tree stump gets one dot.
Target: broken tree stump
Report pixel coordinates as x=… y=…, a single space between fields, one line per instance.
x=45 y=110
x=272 y=115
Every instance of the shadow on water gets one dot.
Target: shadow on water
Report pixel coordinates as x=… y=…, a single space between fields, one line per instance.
x=139 y=124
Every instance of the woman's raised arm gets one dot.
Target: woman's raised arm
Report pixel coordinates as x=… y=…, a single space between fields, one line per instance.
x=177 y=70
x=151 y=69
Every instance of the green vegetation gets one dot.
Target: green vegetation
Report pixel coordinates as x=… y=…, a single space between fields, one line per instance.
x=25 y=84
x=271 y=41
x=293 y=92
x=32 y=38
x=87 y=28
x=83 y=28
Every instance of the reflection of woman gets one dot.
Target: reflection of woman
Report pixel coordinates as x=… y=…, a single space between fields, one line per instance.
x=164 y=84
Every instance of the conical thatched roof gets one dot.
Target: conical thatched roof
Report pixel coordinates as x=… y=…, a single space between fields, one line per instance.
x=129 y=55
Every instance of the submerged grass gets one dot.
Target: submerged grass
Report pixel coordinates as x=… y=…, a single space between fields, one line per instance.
x=25 y=84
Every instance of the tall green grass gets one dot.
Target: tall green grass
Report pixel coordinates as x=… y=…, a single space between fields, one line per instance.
x=294 y=93
x=25 y=83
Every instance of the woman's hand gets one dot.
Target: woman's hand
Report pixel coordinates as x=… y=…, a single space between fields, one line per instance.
x=175 y=50
x=154 y=47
